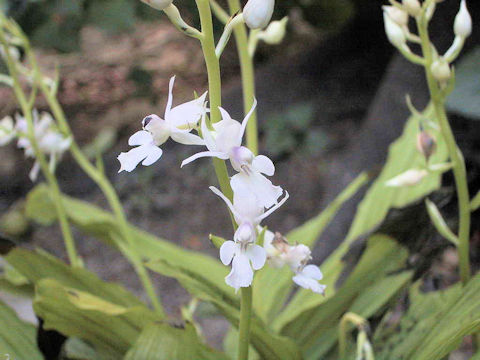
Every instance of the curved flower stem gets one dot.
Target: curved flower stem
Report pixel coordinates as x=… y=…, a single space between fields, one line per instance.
x=27 y=108
x=97 y=176
x=248 y=77
x=459 y=170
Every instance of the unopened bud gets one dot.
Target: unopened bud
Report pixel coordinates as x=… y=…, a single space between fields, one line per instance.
x=426 y=144
x=394 y=32
x=413 y=7
x=463 y=22
x=158 y=4
x=408 y=178
x=399 y=16
x=275 y=32
x=257 y=13
x=441 y=70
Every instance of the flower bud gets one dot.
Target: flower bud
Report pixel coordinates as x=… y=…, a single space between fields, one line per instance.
x=158 y=4
x=399 y=16
x=275 y=32
x=408 y=178
x=441 y=70
x=463 y=22
x=413 y=7
x=394 y=32
x=257 y=13
x=426 y=144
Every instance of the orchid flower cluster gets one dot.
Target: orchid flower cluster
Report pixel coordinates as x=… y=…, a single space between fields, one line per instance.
x=47 y=137
x=254 y=195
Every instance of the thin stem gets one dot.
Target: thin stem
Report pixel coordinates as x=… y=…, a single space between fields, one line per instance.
x=244 y=327
x=214 y=86
x=27 y=106
x=248 y=77
x=100 y=179
x=459 y=170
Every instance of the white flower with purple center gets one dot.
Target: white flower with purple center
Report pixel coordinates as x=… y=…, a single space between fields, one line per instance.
x=178 y=123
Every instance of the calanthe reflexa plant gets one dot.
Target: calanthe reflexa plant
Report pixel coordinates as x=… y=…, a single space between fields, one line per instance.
x=280 y=304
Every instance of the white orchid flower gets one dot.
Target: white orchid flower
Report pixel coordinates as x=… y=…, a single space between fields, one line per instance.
x=7 y=130
x=178 y=123
x=308 y=278
x=248 y=213
x=226 y=143
x=50 y=141
x=245 y=257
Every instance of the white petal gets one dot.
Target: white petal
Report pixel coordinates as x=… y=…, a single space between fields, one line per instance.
x=241 y=274
x=154 y=155
x=309 y=284
x=225 y=114
x=263 y=164
x=187 y=114
x=312 y=271
x=227 y=135
x=170 y=96
x=227 y=251
x=246 y=205
x=140 y=138
x=245 y=120
x=207 y=135
x=227 y=201
x=33 y=175
x=273 y=208
x=199 y=155
x=265 y=192
x=184 y=137
x=130 y=159
x=257 y=256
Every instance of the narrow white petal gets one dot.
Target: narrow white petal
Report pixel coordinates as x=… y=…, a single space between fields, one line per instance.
x=227 y=251
x=170 y=96
x=225 y=114
x=227 y=201
x=257 y=256
x=33 y=175
x=309 y=284
x=199 y=155
x=207 y=135
x=187 y=114
x=245 y=120
x=312 y=271
x=184 y=137
x=263 y=164
x=273 y=208
x=241 y=274
x=154 y=155
x=140 y=138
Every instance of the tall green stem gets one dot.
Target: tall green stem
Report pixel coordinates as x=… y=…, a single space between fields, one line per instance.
x=459 y=170
x=40 y=157
x=248 y=77
x=99 y=178
x=213 y=70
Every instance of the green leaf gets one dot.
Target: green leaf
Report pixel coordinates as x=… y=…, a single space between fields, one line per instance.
x=267 y=344
x=17 y=338
x=111 y=328
x=460 y=318
x=465 y=99
x=314 y=326
x=437 y=219
x=272 y=286
x=160 y=341
x=102 y=225
x=38 y=265
x=402 y=156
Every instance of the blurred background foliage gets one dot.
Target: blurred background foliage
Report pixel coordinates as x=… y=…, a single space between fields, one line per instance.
x=57 y=23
